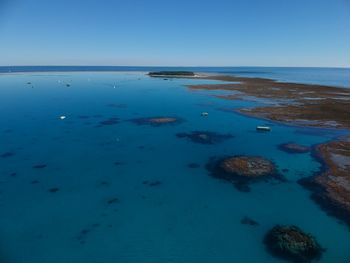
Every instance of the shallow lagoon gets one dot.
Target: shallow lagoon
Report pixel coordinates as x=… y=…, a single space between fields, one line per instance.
x=102 y=210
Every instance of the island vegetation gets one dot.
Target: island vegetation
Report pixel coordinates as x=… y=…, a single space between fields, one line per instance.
x=171 y=74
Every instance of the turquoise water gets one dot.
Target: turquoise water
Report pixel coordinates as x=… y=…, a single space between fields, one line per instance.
x=89 y=203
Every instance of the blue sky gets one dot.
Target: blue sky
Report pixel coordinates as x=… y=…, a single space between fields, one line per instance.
x=175 y=33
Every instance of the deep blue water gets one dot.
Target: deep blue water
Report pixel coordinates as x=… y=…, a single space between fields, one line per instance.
x=189 y=216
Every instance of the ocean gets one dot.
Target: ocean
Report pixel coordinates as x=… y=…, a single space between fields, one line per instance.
x=82 y=181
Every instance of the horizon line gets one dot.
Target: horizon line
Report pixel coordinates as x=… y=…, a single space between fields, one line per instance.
x=176 y=66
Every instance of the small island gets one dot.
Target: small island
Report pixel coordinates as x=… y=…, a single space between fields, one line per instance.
x=171 y=74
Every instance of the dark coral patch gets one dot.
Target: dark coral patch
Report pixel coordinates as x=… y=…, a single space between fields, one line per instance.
x=157 y=121
x=104 y=183
x=243 y=170
x=155 y=183
x=7 y=154
x=291 y=243
x=54 y=190
x=39 y=166
x=193 y=165
x=118 y=163
x=293 y=148
x=110 y=121
x=34 y=182
x=82 y=235
x=152 y=183
x=205 y=137
x=113 y=200
x=249 y=221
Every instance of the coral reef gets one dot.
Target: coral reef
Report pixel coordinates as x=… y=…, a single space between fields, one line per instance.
x=291 y=243
x=39 y=166
x=110 y=121
x=156 y=121
x=249 y=221
x=7 y=154
x=242 y=170
x=295 y=103
x=293 y=148
x=152 y=183
x=205 y=137
x=331 y=185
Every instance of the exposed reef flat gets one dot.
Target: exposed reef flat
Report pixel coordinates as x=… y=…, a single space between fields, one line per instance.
x=300 y=104
x=242 y=170
x=205 y=137
x=331 y=186
x=291 y=243
x=304 y=105
x=156 y=121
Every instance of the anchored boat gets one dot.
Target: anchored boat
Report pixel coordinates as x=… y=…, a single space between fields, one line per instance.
x=263 y=128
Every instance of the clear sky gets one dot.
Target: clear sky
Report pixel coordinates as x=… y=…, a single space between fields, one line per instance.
x=175 y=33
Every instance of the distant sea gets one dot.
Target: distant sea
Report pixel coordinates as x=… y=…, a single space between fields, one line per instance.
x=324 y=76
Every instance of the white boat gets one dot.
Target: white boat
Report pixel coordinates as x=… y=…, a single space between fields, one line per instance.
x=205 y=114
x=263 y=128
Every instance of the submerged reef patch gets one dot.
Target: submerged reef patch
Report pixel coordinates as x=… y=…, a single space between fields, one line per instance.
x=113 y=200
x=110 y=121
x=7 y=154
x=157 y=121
x=291 y=243
x=249 y=221
x=117 y=163
x=330 y=186
x=39 y=166
x=243 y=170
x=291 y=147
x=82 y=236
x=152 y=183
x=54 y=190
x=34 y=182
x=205 y=137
